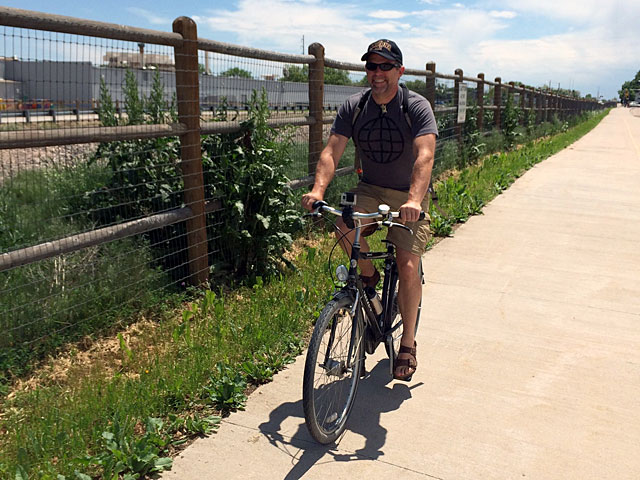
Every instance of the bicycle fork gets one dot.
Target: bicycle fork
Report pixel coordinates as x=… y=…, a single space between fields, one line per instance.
x=338 y=368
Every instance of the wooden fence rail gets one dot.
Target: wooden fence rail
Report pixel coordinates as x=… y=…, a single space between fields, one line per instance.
x=186 y=44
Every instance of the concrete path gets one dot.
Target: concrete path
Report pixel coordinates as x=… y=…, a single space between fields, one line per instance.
x=529 y=347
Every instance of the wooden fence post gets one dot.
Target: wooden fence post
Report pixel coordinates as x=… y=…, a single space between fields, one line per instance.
x=559 y=106
x=547 y=106
x=316 y=101
x=497 y=102
x=456 y=103
x=539 y=107
x=531 y=94
x=511 y=93
x=522 y=104
x=480 y=102
x=431 y=84
x=188 y=97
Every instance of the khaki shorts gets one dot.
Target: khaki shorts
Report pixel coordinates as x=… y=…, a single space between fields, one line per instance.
x=370 y=196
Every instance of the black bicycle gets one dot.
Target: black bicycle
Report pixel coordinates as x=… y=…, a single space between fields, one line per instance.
x=351 y=325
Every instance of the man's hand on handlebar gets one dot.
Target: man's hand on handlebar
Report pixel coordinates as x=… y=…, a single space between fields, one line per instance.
x=410 y=211
x=308 y=199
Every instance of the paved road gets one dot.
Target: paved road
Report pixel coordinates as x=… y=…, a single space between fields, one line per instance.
x=529 y=347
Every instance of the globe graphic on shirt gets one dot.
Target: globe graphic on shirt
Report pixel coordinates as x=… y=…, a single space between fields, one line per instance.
x=380 y=140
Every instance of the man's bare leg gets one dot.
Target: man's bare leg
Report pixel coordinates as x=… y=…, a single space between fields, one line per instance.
x=409 y=295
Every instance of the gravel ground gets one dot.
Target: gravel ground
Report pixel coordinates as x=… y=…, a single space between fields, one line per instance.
x=18 y=160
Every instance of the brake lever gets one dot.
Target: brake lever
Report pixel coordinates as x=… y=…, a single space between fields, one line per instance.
x=386 y=223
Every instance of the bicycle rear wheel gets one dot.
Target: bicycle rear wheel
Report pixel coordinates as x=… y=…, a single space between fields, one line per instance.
x=332 y=370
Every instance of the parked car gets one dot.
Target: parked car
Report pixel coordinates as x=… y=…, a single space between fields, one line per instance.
x=8 y=104
x=36 y=104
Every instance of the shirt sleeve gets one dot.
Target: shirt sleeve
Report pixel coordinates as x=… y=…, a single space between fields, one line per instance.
x=423 y=121
x=343 y=124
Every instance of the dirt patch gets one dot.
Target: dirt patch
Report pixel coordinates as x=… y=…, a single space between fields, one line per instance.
x=105 y=354
x=18 y=160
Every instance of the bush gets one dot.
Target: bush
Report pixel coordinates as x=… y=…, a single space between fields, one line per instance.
x=243 y=170
x=247 y=172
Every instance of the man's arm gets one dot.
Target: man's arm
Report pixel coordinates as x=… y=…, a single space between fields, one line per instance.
x=424 y=148
x=325 y=169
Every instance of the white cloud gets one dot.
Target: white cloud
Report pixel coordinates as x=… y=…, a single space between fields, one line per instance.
x=388 y=14
x=150 y=17
x=497 y=38
x=279 y=25
x=502 y=14
x=574 y=10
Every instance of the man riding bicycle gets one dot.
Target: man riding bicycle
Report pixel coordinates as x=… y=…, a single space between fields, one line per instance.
x=396 y=150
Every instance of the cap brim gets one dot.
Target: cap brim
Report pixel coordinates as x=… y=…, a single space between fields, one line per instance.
x=386 y=55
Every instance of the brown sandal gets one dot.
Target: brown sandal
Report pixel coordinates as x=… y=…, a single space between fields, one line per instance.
x=411 y=363
x=371 y=281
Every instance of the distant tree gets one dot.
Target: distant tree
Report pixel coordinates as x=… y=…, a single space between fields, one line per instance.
x=334 y=76
x=418 y=86
x=236 y=72
x=294 y=73
x=629 y=89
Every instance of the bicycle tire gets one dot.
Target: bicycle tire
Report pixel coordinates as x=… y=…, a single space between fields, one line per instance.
x=329 y=386
x=392 y=345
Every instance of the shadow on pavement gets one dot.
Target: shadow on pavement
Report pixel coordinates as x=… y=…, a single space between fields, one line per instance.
x=374 y=398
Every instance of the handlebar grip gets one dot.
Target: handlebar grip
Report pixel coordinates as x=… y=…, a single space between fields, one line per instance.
x=422 y=215
x=318 y=203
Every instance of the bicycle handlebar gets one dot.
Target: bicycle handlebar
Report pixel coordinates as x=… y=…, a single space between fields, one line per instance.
x=383 y=211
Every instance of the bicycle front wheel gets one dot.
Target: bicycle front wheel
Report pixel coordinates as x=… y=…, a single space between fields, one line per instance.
x=332 y=370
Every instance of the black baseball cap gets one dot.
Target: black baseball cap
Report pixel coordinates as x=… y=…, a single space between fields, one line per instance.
x=385 y=48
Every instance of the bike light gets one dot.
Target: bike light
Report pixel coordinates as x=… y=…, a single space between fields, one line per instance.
x=342 y=273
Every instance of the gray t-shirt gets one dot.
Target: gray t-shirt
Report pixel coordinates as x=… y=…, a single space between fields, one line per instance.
x=385 y=140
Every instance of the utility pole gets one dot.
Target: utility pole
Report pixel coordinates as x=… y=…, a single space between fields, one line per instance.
x=302 y=44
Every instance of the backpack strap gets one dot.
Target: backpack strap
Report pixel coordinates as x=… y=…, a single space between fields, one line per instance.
x=360 y=106
x=356 y=113
x=405 y=103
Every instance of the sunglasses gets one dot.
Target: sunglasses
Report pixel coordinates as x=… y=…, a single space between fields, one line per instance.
x=385 y=67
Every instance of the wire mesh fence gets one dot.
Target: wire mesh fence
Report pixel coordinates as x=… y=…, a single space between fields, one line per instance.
x=119 y=147
x=75 y=85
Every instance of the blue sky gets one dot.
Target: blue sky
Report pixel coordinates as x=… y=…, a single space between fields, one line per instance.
x=589 y=45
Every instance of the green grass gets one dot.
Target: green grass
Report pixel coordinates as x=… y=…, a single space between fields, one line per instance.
x=177 y=368
x=49 y=303
x=126 y=411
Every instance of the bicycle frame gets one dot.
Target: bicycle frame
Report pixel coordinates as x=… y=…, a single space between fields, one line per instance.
x=376 y=323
